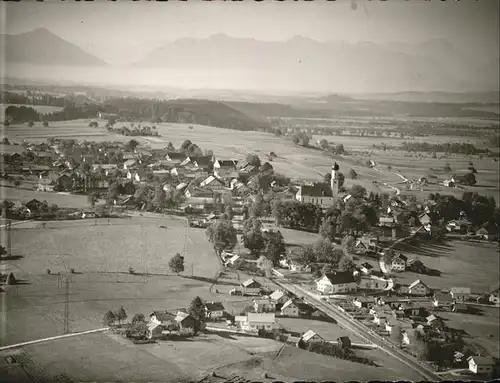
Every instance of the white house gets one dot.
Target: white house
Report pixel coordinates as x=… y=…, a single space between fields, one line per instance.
x=129 y=164
x=251 y=287
x=398 y=263
x=366 y=268
x=290 y=309
x=279 y=297
x=460 y=293
x=419 y=288
x=481 y=365
x=256 y=321
x=264 y=305
x=379 y=318
x=318 y=194
x=232 y=260
x=212 y=183
x=214 y=310
x=310 y=336
x=336 y=282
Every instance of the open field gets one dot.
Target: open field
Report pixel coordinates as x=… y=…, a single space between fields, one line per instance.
x=471 y=264
x=108 y=357
x=327 y=330
x=61 y=200
x=39 y=108
x=314 y=367
x=482 y=331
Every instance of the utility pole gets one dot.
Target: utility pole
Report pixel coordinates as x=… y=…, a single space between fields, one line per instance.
x=66 y=305
x=9 y=238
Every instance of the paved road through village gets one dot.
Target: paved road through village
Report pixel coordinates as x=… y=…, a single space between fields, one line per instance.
x=351 y=324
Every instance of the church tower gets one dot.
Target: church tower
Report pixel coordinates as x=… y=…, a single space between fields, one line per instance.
x=334 y=183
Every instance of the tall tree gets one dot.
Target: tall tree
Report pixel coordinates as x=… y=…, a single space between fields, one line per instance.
x=109 y=318
x=253 y=159
x=222 y=235
x=121 y=315
x=176 y=264
x=328 y=228
x=274 y=246
x=346 y=264
x=197 y=308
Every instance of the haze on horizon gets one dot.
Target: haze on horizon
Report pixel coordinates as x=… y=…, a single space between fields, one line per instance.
x=124 y=33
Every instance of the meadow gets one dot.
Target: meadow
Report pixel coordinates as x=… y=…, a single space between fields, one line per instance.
x=472 y=264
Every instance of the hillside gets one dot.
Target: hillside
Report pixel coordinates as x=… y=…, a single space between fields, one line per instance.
x=42 y=47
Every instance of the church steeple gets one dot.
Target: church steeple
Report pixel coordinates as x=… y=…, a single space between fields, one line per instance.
x=334 y=183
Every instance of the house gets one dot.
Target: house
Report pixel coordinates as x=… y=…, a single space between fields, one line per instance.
x=311 y=337
x=393 y=322
x=227 y=165
x=398 y=263
x=214 y=310
x=419 y=288
x=344 y=342
x=408 y=336
x=185 y=321
x=460 y=293
x=379 y=318
x=361 y=302
x=129 y=164
x=232 y=260
x=257 y=321
x=202 y=163
x=460 y=225
x=425 y=219
x=128 y=156
x=45 y=185
x=296 y=266
x=251 y=287
x=494 y=296
x=481 y=365
x=158 y=154
x=442 y=299
x=279 y=297
x=175 y=158
x=181 y=186
x=364 y=245
x=290 y=309
x=366 y=268
x=319 y=194
x=264 y=305
x=430 y=319
x=336 y=282
x=213 y=183
x=387 y=221
x=416 y=309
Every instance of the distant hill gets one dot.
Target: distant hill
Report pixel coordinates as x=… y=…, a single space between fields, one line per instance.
x=305 y=64
x=42 y=47
x=442 y=97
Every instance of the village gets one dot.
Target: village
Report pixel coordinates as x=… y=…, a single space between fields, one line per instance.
x=355 y=267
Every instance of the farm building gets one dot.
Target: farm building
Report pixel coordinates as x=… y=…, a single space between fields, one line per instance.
x=460 y=293
x=212 y=183
x=256 y=321
x=481 y=365
x=336 y=282
x=311 y=337
x=214 y=310
x=344 y=342
x=398 y=263
x=264 y=305
x=442 y=299
x=251 y=287
x=366 y=268
x=290 y=309
x=360 y=302
x=175 y=158
x=419 y=288
x=279 y=297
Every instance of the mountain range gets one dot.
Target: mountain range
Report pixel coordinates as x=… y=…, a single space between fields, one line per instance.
x=42 y=47
x=299 y=63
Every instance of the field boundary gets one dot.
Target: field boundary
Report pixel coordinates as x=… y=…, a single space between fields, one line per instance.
x=53 y=338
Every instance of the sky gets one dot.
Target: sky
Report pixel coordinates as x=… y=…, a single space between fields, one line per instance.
x=122 y=32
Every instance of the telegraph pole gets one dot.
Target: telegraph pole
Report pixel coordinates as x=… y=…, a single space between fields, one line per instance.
x=66 y=305
x=9 y=238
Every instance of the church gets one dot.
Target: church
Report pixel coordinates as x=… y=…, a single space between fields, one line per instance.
x=321 y=194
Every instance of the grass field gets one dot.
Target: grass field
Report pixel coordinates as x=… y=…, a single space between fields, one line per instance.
x=61 y=200
x=293 y=364
x=475 y=265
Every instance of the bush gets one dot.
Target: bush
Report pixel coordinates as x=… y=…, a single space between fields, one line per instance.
x=72 y=271
x=131 y=270
x=48 y=271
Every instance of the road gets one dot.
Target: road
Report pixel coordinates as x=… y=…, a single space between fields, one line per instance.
x=353 y=325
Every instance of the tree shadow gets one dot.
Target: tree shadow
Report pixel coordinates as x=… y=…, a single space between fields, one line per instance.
x=21 y=282
x=210 y=280
x=226 y=335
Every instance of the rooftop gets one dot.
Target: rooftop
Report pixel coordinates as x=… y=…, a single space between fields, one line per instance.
x=321 y=189
x=340 y=277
